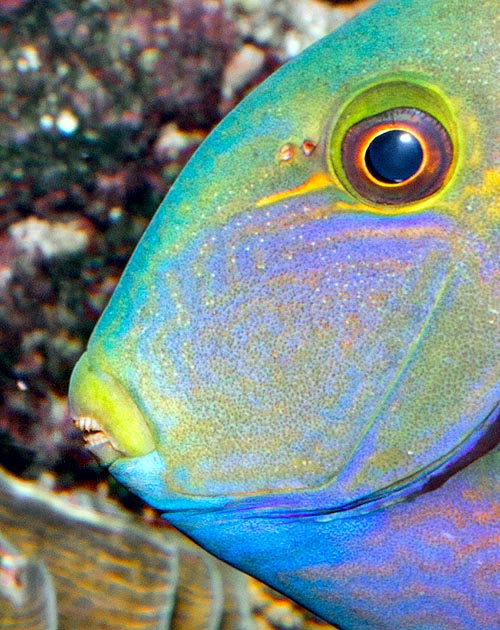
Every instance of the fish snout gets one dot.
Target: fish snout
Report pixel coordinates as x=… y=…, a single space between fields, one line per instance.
x=112 y=424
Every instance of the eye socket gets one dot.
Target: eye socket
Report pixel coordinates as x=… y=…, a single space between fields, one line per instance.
x=397 y=156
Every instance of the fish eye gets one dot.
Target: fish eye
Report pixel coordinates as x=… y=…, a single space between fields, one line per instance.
x=394 y=154
x=398 y=156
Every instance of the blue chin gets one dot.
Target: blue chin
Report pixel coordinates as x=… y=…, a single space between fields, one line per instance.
x=145 y=476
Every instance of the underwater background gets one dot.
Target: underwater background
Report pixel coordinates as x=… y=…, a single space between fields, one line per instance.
x=102 y=102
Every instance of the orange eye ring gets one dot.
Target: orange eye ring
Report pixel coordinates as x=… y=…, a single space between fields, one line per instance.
x=425 y=174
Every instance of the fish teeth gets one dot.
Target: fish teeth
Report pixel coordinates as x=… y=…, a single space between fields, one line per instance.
x=93 y=434
x=99 y=437
x=87 y=424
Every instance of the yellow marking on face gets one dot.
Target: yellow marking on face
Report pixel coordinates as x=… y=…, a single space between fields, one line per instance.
x=321 y=181
x=491 y=187
x=318 y=181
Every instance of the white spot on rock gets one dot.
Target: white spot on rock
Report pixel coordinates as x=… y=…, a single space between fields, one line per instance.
x=38 y=237
x=28 y=61
x=66 y=122
x=245 y=65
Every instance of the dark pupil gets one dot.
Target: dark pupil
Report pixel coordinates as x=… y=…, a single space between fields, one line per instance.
x=394 y=156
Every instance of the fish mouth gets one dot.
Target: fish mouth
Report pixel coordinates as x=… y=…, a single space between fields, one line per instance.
x=112 y=423
x=97 y=441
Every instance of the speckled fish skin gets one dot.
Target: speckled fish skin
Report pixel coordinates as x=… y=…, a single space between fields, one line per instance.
x=307 y=383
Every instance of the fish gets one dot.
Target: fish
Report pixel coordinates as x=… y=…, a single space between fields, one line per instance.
x=300 y=365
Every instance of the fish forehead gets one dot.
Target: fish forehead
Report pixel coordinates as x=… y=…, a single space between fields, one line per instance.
x=267 y=386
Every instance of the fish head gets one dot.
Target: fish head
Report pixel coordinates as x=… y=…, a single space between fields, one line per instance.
x=310 y=322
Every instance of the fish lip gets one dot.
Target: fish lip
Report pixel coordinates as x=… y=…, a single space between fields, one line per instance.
x=105 y=411
x=97 y=441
